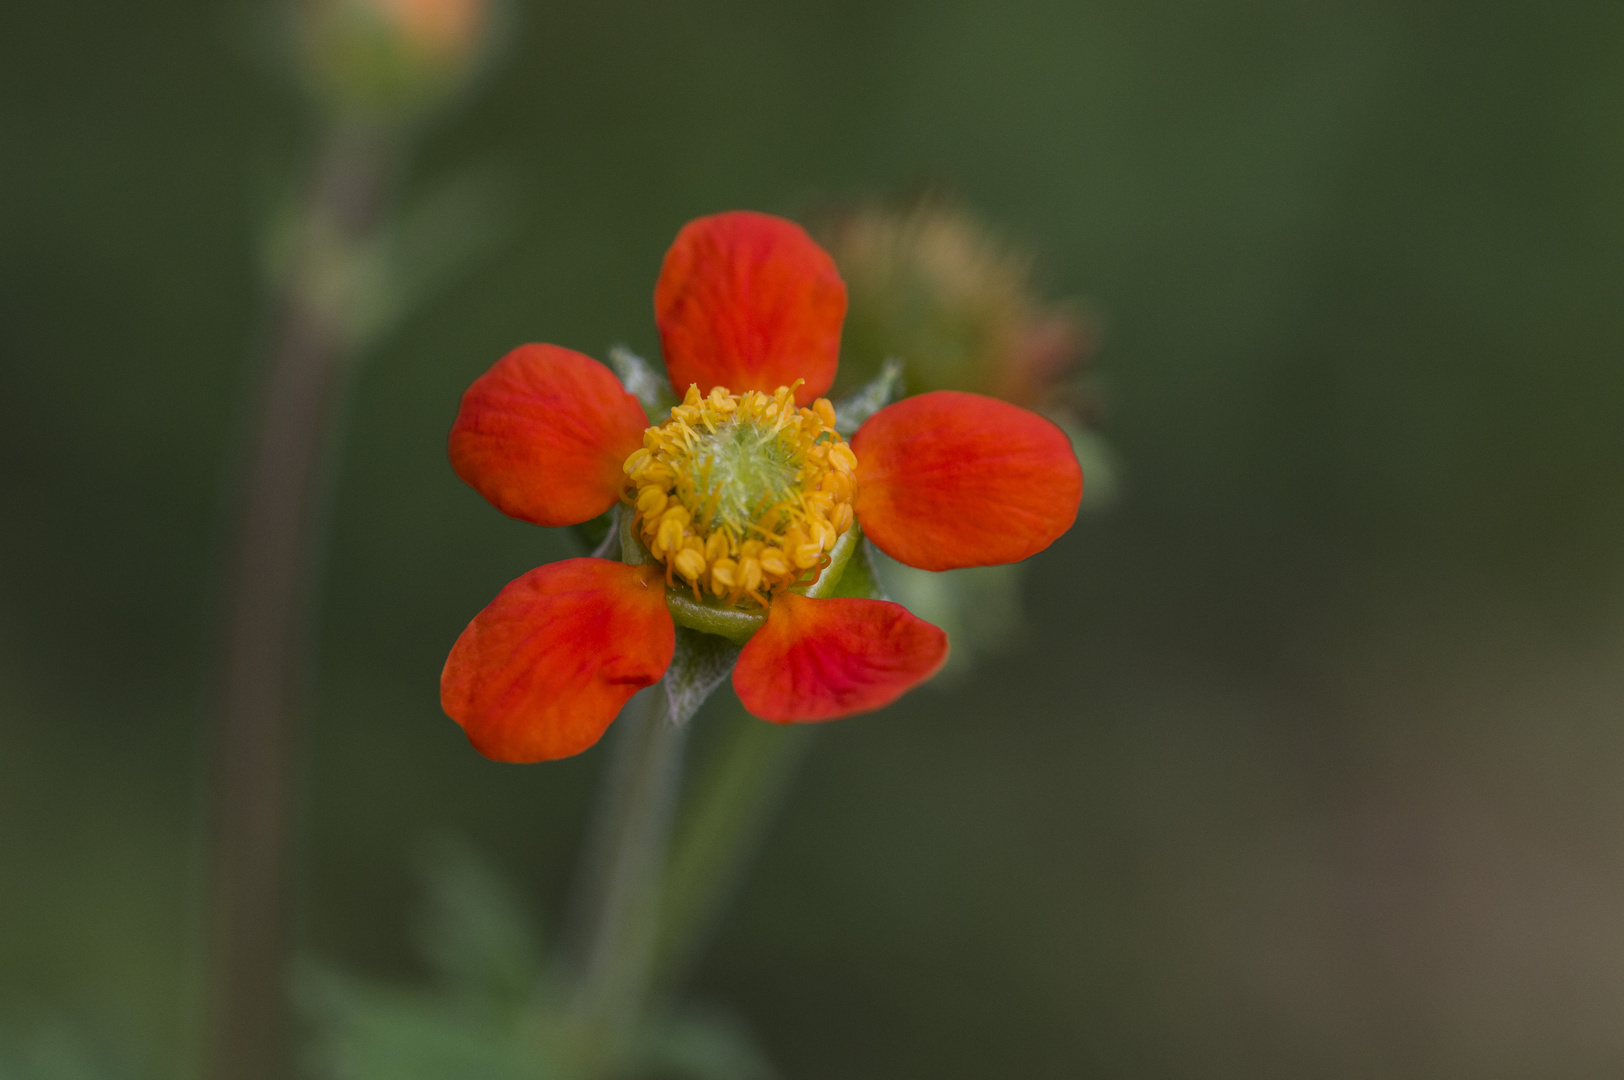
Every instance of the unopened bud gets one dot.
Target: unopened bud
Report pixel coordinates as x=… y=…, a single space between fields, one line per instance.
x=391 y=56
x=935 y=288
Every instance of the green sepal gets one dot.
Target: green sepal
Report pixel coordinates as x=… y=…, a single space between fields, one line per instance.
x=881 y=391
x=698 y=666
x=839 y=558
x=650 y=387
x=632 y=551
x=592 y=534
x=860 y=581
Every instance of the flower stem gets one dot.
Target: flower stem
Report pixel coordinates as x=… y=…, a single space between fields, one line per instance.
x=619 y=900
x=749 y=776
x=265 y=627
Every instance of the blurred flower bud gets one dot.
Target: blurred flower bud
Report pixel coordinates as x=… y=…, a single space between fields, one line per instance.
x=930 y=285
x=391 y=57
x=934 y=287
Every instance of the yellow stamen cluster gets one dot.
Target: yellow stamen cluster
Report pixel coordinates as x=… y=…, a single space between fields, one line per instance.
x=742 y=495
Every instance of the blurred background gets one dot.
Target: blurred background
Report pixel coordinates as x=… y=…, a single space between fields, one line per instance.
x=1310 y=758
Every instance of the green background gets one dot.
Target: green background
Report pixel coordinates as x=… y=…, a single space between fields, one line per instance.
x=1309 y=762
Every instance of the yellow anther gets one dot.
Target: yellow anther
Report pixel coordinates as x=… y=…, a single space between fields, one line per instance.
x=743 y=495
x=724 y=576
x=655 y=474
x=690 y=564
x=837 y=484
x=651 y=500
x=841 y=518
x=668 y=538
x=823 y=534
x=803 y=551
x=773 y=561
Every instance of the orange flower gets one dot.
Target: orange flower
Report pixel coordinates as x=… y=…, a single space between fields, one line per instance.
x=745 y=498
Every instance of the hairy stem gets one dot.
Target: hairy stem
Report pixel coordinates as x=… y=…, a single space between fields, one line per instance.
x=619 y=902
x=732 y=810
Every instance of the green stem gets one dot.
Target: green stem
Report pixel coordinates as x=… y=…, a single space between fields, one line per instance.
x=621 y=899
x=742 y=789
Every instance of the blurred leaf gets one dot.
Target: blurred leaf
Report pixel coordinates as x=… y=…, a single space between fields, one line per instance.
x=368 y=1032
x=474 y=931
x=491 y=1014
x=59 y=1053
x=702 y=1045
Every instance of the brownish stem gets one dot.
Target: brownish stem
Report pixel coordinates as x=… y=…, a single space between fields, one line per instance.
x=271 y=587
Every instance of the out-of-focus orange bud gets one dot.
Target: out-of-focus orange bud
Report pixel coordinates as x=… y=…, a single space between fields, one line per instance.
x=937 y=289
x=446 y=28
x=391 y=56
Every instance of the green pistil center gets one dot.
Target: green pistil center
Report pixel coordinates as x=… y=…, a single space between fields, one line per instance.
x=738 y=473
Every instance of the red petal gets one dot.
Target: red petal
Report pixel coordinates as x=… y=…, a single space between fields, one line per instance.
x=543 y=435
x=540 y=673
x=750 y=302
x=948 y=479
x=824 y=659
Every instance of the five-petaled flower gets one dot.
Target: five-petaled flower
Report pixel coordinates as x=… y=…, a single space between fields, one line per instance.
x=744 y=498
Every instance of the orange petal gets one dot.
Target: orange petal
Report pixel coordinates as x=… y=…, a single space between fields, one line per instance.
x=947 y=479
x=750 y=302
x=543 y=435
x=824 y=659
x=540 y=673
